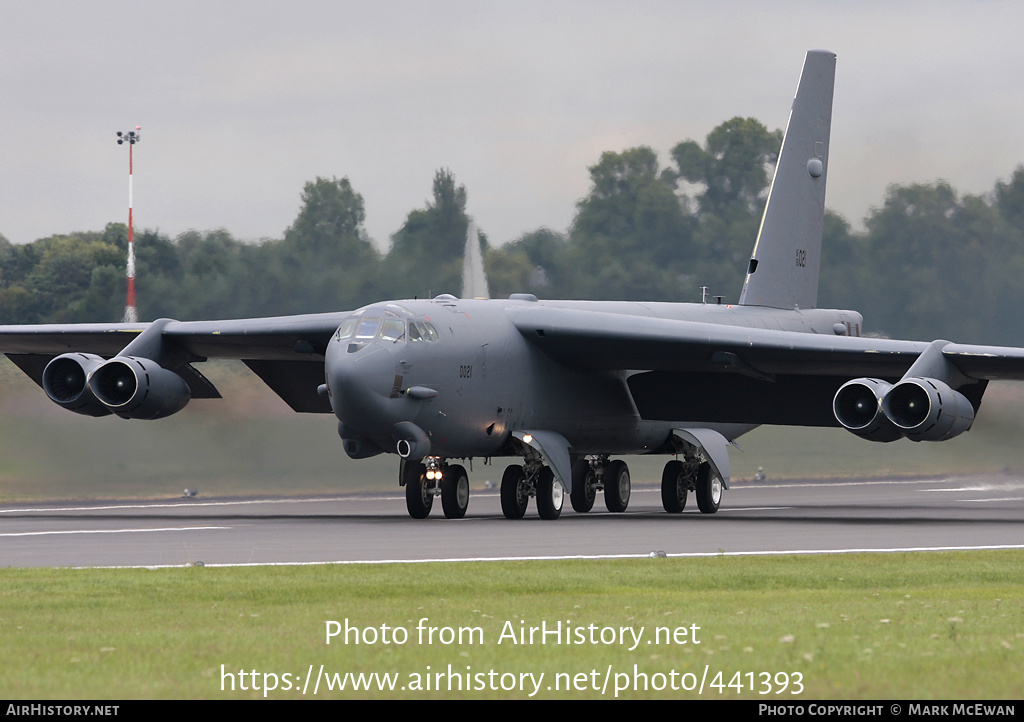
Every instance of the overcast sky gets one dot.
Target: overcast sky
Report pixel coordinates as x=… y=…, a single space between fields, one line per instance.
x=241 y=103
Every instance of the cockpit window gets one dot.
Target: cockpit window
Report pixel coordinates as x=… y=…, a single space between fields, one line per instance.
x=422 y=331
x=368 y=328
x=398 y=310
x=388 y=329
x=393 y=330
x=347 y=328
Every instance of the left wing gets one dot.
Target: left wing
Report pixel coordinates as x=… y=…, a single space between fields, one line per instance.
x=692 y=371
x=286 y=352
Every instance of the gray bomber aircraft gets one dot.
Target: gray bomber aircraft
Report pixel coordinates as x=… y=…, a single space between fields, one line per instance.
x=565 y=385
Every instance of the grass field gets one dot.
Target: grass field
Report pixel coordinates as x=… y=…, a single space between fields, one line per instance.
x=901 y=626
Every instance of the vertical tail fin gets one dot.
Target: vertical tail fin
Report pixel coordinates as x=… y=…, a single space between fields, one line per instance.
x=474 y=278
x=783 y=270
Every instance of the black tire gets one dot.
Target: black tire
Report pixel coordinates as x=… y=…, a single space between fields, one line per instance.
x=709 y=489
x=550 y=495
x=455 y=492
x=515 y=492
x=584 y=488
x=616 y=486
x=673 y=487
x=418 y=495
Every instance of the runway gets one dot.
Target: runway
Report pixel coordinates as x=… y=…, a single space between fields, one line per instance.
x=764 y=518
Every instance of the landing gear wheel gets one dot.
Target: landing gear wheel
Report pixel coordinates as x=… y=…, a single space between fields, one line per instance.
x=709 y=489
x=616 y=486
x=673 y=487
x=515 y=492
x=584 y=486
x=455 y=492
x=419 y=497
x=550 y=494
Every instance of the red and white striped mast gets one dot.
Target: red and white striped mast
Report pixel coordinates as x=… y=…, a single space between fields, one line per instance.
x=131 y=138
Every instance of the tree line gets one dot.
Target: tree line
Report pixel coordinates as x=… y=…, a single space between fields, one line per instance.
x=929 y=263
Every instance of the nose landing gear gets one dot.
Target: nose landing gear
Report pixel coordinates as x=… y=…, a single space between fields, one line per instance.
x=455 y=492
x=423 y=480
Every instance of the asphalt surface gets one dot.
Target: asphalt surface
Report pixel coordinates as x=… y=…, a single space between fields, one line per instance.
x=761 y=518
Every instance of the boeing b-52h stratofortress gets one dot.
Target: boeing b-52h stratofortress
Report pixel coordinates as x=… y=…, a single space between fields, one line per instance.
x=565 y=385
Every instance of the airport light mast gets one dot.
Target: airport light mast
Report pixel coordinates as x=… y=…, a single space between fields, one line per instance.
x=130 y=137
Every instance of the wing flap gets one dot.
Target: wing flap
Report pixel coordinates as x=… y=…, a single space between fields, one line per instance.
x=987 y=362
x=294 y=381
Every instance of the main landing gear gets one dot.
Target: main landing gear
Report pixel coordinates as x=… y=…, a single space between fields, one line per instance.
x=589 y=476
x=681 y=477
x=424 y=481
x=595 y=474
x=519 y=483
x=433 y=477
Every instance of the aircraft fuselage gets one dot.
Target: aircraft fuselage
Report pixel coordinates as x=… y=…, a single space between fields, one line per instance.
x=460 y=370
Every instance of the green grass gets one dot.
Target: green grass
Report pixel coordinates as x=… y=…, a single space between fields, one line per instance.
x=903 y=626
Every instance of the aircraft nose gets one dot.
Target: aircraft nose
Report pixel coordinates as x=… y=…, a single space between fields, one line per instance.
x=362 y=378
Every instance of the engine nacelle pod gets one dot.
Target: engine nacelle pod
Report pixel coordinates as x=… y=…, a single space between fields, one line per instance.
x=928 y=410
x=66 y=382
x=858 y=407
x=138 y=388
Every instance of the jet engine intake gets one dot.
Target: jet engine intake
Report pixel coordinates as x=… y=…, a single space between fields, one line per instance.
x=858 y=407
x=138 y=388
x=66 y=382
x=928 y=409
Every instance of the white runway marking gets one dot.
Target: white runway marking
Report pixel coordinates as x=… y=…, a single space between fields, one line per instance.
x=734 y=486
x=112 y=531
x=985 y=501
x=577 y=557
x=180 y=504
